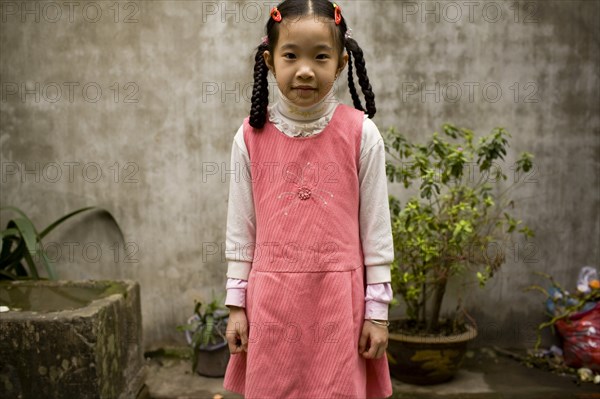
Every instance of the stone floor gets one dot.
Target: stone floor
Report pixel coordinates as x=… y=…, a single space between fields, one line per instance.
x=485 y=375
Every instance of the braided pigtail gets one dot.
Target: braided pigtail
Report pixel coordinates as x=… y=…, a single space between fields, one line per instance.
x=363 y=80
x=260 y=91
x=353 y=93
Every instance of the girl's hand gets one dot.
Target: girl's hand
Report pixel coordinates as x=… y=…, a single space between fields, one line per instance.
x=373 y=341
x=237 y=330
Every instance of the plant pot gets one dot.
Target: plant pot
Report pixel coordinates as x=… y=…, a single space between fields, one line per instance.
x=212 y=361
x=427 y=360
x=213 y=358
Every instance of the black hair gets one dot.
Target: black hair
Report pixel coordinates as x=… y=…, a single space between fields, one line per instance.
x=297 y=9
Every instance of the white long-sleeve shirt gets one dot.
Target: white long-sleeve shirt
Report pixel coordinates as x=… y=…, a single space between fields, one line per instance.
x=375 y=226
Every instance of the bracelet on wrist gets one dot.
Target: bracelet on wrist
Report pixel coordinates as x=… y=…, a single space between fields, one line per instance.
x=380 y=322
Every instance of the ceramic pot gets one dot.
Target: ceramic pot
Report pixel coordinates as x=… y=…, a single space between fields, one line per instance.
x=427 y=360
x=212 y=362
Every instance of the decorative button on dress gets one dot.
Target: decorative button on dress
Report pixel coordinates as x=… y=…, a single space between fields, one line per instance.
x=305 y=297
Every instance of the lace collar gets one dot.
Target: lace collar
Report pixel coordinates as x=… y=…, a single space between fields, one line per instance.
x=297 y=121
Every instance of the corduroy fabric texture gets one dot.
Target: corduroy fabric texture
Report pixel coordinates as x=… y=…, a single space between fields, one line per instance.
x=306 y=289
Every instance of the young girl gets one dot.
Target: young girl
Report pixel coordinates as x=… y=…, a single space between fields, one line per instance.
x=308 y=239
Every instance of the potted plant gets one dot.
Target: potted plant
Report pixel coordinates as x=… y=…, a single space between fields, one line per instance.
x=22 y=245
x=205 y=332
x=461 y=208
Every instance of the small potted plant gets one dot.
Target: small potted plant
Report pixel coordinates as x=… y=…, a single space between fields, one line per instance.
x=205 y=332
x=444 y=232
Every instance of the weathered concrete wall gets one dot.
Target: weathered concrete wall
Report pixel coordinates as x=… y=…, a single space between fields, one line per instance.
x=175 y=79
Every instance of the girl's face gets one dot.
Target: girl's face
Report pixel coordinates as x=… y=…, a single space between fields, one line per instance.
x=305 y=61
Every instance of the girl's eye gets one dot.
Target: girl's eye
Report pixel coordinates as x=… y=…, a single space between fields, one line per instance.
x=289 y=55
x=322 y=56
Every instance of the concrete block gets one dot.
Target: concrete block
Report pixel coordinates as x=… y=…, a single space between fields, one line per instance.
x=71 y=339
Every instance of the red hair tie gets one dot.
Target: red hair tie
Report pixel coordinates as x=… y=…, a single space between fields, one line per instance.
x=338 y=13
x=275 y=14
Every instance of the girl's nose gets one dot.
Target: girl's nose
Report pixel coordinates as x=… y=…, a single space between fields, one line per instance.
x=305 y=72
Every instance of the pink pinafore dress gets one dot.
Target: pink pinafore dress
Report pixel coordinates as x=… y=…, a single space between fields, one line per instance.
x=305 y=299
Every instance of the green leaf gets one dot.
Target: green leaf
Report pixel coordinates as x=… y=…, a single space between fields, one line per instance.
x=527 y=232
x=482 y=279
x=8 y=276
x=17 y=210
x=11 y=258
x=450 y=130
x=9 y=232
x=187 y=327
x=57 y=222
x=10 y=237
x=32 y=267
x=48 y=265
x=28 y=233
x=525 y=162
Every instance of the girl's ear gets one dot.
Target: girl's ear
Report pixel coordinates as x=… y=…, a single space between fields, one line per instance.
x=343 y=62
x=269 y=61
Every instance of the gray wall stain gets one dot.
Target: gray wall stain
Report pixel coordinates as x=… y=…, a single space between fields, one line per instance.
x=176 y=85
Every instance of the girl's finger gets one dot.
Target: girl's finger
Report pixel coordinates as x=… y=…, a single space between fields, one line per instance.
x=244 y=336
x=362 y=343
x=239 y=345
x=231 y=344
x=370 y=354
x=233 y=349
x=378 y=354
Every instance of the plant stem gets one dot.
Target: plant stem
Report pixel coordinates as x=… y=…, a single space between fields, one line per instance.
x=440 y=290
